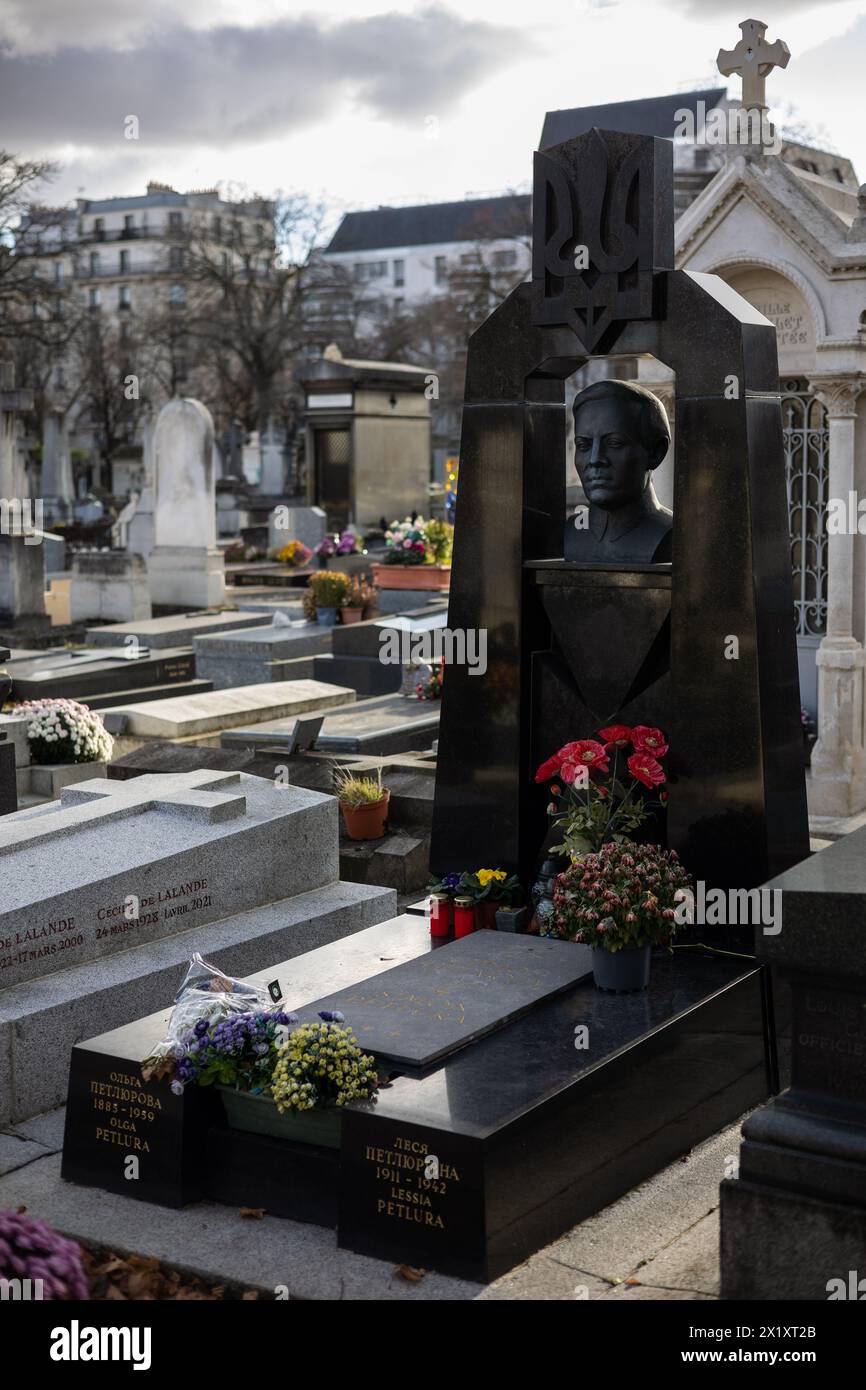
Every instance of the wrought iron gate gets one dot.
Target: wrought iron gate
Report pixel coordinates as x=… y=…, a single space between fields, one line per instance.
x=807 y=465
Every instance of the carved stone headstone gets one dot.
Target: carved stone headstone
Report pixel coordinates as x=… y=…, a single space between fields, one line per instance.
x=701 y=646
x=186 y=568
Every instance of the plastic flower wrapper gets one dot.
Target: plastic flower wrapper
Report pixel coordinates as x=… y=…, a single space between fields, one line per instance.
x=206 y=996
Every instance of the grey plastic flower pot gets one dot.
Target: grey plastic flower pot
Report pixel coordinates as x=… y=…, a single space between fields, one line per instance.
x=621 y=972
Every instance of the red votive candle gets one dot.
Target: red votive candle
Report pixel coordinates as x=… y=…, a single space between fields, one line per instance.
x=440 y=915
x=464 y=916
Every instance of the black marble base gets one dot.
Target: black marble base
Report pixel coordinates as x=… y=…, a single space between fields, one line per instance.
x=8 y=782
x=475 y=1163
x=60 y=674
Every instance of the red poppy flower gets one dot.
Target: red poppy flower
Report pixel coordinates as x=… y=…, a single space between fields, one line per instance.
x=615 y=736
x=648 y=740
x=645 y=768
x=586 y=752
x=549 y=769
x=663 y=798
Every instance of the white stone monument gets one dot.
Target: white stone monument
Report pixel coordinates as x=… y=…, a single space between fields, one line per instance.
x=138 y=527
x=57 y=488
x=186 y=568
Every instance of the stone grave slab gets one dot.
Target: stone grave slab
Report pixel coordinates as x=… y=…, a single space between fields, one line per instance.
x=387 y=724
x=220 y=709
x=175 y=631
x=116 y=884
x=256 y=654
x=81 y=674
x=424 y=1010
x=531 y=1133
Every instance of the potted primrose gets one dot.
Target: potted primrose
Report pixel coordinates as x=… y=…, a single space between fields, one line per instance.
x=329 y=589
x=363 y=804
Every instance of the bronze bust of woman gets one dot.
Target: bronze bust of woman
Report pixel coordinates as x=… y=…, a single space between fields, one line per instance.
x=621 y=433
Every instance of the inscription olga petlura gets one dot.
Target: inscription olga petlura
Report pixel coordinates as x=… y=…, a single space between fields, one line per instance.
x=123 y=1109
x=76 y=931
x=412 y=1182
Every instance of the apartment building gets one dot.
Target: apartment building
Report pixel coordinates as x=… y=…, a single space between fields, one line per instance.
x=126 y=253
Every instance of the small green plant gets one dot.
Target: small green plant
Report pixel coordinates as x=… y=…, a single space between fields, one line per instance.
x=357 y=791
x=329 y=588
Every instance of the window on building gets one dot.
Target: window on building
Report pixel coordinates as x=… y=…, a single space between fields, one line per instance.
x=94 y=298
x=175 y=258
x=58 y=306
x=125 y=331
x=370 y=270
x=175 y=222
x=504 y=260
x=94 y=262
x=128 y=224
x=217 y=227
x=440 y=269
x=58 y=272
x=124 y=297
x=399 y=273
x=177 y=296
x=124 y=262
x=99 y=228
x=399 y=301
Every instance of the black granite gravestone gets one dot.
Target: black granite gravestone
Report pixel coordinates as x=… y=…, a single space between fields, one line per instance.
x=573 y=645
x=545 y=1119
x=794 y=1219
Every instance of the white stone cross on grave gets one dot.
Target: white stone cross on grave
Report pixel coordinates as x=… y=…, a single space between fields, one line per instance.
x=753 y=59
x=209 y=797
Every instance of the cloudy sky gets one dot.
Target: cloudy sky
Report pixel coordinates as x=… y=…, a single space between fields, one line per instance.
x=370 y=101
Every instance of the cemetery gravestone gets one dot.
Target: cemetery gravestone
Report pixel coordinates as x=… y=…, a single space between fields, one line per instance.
x=257 y=654
x=185 y=566
x=109 y=891
x=306 y=524
x=109 y=585
x=793 y=1220
x=702 y=647
x=207 y=714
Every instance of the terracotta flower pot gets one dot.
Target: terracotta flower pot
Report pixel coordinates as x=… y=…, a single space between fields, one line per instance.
x=351 y=615
x=436 y=577
x=366 y=822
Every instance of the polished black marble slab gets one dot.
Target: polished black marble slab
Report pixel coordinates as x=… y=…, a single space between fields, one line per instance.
x=532 y=1127
x=533 y=1133
x=421 y=1011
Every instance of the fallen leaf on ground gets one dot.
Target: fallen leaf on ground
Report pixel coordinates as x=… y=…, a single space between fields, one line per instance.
x=252 y=1213
x=412 y=1276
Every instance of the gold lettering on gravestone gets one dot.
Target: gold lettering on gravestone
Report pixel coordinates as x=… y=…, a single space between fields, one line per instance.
x=405 y=1193
x=123 y=1107
x=61 y=933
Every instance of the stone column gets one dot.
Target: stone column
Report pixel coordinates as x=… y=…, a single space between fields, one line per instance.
x=838 y=780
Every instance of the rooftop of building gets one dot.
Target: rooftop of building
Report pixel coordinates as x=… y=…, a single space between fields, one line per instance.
x=429 y=224
x=645 y=116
